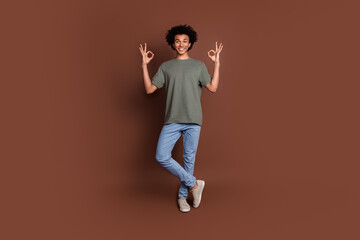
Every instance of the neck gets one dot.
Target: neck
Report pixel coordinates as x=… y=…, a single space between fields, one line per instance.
x=182 y=56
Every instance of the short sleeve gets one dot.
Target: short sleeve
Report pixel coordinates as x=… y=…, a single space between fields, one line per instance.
x=159 y=78
x=205 y=77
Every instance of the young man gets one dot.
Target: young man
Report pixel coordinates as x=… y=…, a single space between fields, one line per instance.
x=183 y=78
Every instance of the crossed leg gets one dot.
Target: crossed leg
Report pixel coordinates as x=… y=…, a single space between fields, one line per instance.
x=169 y=135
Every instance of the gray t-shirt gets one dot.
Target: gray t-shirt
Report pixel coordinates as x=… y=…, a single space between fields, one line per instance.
x=183 y=80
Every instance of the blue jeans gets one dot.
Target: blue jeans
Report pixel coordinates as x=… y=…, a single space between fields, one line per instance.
x=169 y=135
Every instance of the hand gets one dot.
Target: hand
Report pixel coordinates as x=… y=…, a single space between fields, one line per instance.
x=216 y=56
x=145 y=54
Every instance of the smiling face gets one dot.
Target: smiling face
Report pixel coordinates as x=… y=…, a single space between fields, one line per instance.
x=181 y=43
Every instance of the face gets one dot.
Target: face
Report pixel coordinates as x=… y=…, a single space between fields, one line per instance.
x=181 y=43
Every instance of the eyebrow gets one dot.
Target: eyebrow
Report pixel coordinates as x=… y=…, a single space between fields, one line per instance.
x=180 y=39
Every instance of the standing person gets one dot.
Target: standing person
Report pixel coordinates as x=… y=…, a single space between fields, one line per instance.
x=183 y=78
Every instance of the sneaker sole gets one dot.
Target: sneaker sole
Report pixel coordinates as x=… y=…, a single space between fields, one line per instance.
x=184 y=211
x=202 y=189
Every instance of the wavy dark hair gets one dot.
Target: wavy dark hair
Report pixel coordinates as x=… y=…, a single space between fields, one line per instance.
x=181 y=29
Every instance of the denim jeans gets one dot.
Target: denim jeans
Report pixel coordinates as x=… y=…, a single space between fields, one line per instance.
x=169 y=135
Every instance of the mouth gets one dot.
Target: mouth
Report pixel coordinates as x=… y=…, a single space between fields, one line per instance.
x=181 y=49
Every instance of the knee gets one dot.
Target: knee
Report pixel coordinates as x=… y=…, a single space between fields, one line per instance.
x=162 y=159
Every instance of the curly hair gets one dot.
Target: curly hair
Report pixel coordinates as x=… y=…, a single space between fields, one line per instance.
x=181 y=29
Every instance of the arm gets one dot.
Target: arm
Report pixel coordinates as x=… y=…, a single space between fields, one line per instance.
x=149 y=87
x=213 y=85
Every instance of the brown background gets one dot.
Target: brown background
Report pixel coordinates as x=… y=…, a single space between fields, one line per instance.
x=279 y=146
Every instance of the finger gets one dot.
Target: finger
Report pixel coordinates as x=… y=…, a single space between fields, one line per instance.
x=150 y=52
x=216 y=46
x=145 y=47
x=209 y=53
x=220 y=48
x=152 y=55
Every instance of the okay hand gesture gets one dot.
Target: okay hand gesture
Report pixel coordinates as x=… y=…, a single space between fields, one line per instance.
x=145 y=54
x=216 y=56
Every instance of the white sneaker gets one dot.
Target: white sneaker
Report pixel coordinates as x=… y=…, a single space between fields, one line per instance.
x=183 y=205
x=197 y=192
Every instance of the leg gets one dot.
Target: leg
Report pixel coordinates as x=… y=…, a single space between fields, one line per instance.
x=191 y=136
x=169 y=135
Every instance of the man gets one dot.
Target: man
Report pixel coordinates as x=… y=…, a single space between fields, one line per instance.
x=183 y=78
